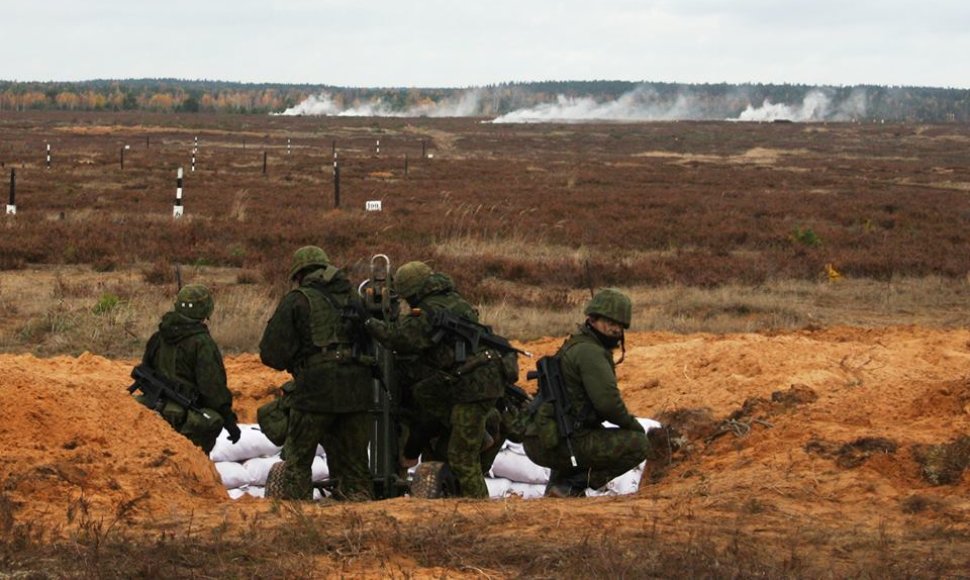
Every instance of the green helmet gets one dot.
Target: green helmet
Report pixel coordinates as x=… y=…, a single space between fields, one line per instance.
x=308 y=256
x=410 y=278
x=194 y=301
x=613 y=304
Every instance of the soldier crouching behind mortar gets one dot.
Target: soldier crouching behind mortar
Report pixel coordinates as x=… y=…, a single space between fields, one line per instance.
x=330 y=402
x=593 y=454
x=182 y=362
x=456 y=392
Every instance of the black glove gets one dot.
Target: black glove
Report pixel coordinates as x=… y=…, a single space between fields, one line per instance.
x=234 y=432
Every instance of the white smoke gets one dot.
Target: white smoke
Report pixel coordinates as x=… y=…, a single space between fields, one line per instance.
x=465 y=104
x=816 y=106
x=640 y=104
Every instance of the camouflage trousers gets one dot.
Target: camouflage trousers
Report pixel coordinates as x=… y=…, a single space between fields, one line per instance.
x=344 y=437
x=464 y=451
x=601 y=455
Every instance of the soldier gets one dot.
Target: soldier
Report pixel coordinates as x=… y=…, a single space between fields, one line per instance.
x=309 y=336
x=590 y=375
x=456 y=398
x=183 y=353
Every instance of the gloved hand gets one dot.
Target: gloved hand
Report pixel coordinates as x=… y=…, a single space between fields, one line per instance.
x=234 y=432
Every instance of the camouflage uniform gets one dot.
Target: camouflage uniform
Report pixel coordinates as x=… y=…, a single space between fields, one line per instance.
x=330 y=400
x=459 y=405
x=183 y=352
x=601 y=453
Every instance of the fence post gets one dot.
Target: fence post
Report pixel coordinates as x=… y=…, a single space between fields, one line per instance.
x=177 y=208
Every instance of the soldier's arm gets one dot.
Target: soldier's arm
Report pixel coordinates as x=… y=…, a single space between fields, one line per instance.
x=210 y=373
x=410 y=334
x=280 y=343
x=599 y=380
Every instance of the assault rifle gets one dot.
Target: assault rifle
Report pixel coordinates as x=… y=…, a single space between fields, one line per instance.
x=470 y=335
x=157 y=389
x=552 y=389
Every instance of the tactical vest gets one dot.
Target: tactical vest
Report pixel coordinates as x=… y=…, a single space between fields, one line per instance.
x=326 y=325
x=581 y=406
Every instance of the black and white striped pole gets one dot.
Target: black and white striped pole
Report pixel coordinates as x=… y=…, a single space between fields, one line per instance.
x=48 y=156
x=12 y=203
x=336 y=183
x=287 y=145
x=177 y=208
x=377 y=149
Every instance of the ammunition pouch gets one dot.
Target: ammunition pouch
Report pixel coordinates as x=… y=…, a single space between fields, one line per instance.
x=202 y=422
x=274 y=417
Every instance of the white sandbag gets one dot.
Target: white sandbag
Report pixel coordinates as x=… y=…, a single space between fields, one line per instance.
x=233 y=474
x=236 y=493
x=497 y=486
x=256 y=491
x=624 y=484
x=252 y=443
x=526 y=490
x=518 y=467
x=258 y=468
x=320 y=469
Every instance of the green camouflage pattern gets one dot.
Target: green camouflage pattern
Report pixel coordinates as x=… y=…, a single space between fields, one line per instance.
x=410 y=278
x=327 y=379
x=344 y=437
x=194 y=301
x=307 y=256
x=613 y=304
x=183 y=352
x=601 y=453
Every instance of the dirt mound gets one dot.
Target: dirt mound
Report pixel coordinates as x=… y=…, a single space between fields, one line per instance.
x=817 y=437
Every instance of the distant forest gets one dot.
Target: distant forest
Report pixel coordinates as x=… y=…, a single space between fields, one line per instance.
x=707 y=101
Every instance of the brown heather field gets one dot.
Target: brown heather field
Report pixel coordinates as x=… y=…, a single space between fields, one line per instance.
x=827 y=417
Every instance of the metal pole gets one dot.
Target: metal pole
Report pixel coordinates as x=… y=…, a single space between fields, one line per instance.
x=336 y=185
x=12 y=204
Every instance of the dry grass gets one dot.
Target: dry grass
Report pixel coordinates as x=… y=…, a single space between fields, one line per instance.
x=73 y=309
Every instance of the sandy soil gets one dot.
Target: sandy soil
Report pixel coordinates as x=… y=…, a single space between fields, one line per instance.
x=816 y=439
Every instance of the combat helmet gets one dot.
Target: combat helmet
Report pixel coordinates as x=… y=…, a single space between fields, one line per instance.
x=410 y=278
x=308 y=256
x=613 y=304
x=194 y=301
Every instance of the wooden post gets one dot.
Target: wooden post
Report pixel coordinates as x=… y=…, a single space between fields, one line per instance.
x=12 y=203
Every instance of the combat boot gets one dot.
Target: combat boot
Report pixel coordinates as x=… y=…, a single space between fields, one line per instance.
x=563 y=487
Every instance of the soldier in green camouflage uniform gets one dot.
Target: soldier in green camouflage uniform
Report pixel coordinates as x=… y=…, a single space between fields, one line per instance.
x=459 y=397
x=590 y=375
x=183 y=352
x=329 y=404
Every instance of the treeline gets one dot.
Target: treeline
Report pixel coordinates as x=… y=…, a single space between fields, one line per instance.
x=699 y=101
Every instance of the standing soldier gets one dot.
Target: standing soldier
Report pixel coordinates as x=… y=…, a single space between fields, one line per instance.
x=594 y=454
x=309 y=336
x=184 y=355
x=459 y=395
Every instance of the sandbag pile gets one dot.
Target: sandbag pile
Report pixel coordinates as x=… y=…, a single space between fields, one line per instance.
x=244 y=467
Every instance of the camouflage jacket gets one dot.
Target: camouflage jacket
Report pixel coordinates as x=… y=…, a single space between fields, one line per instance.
x=308 y=337
x=590 y=376
x=183 y=351
x=425 y=358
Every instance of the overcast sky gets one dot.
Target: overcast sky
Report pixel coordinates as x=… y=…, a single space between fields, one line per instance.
x=462 y=43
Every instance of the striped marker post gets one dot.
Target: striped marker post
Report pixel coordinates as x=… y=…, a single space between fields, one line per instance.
x=48 y=156
x=177 y=208
x=378 y=148
x=336 y=183
x=12 y=203
x=195 y=149
x=287 y=145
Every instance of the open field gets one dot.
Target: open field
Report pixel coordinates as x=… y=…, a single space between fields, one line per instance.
x=826 y=415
